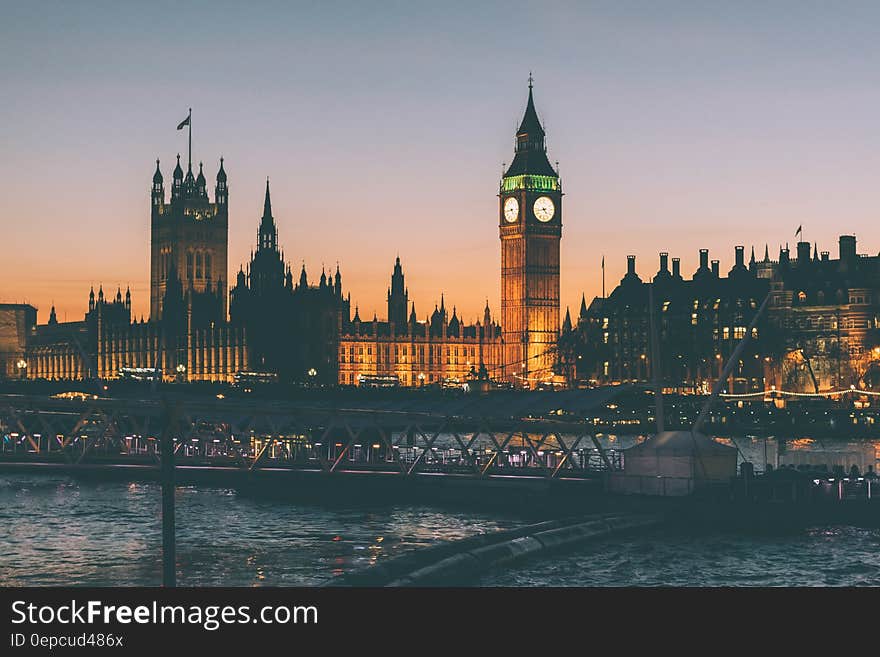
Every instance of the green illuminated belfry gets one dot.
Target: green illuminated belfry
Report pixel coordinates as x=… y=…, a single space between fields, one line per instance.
x=530 y=168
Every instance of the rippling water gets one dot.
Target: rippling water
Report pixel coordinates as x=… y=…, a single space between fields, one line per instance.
x=55 y=530
x=819 y=556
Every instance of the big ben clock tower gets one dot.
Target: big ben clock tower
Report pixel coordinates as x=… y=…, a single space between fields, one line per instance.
x=530 y=224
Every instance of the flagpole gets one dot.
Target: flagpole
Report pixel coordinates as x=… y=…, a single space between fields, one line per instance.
x=190 y=124
x=603 y=277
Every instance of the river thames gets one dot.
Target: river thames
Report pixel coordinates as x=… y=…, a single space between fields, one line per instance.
x=57 y=530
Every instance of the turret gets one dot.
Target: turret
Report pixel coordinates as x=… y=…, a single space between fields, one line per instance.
x=803 y=253
x=158 y=192
x=128 y=298
x=189 y=183
x=454 y=325
x=221 y=191
x=338 y=282
x=303 y=279
x=91 y=299
x=52 y=318
x=201 y=183
x=177 y=184
x=566 y=324
x=847 y=246
x=397 y=296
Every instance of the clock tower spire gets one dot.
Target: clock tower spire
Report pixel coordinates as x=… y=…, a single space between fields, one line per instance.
x=530 y=227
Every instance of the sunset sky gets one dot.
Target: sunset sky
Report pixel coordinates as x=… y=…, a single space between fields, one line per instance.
x=383 y=128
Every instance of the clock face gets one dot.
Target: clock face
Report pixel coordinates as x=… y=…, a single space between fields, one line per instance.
x=511 y=209
x=544 y=209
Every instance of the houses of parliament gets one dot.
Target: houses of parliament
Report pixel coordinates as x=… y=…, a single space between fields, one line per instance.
x=820 y=331
x=274 y=322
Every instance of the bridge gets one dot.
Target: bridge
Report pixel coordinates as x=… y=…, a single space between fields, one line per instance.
x=504 y=436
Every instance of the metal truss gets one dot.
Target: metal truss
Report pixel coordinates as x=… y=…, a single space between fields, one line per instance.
x=262 y=435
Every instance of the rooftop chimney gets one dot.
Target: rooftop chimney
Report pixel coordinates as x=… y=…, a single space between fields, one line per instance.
x=630 y=264
x=664 y=261
x=676 y=267
x=825 y=256
x=704 y=258
x=715 y=268
x=740 y=256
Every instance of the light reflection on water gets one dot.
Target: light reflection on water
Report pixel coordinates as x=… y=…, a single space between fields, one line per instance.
x=819 y=556
x=59 y=531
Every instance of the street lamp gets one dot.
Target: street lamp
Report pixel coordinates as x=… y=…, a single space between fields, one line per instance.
x=312 y=374
x=22 y=367
x=181 y=372
x=421 y=378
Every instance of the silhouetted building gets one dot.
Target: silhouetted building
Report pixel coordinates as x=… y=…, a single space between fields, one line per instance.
x=826 y=314
x=17 y=324
x=189 y=236
x=819 y=331
x=187 y=337
x=292 y=328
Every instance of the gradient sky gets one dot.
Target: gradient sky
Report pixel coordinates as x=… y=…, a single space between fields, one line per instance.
x=383 y=126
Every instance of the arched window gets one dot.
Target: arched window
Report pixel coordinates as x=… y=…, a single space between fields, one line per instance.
x=802 y=296
x=208 y=266
x=189 y=265
x=198 y=265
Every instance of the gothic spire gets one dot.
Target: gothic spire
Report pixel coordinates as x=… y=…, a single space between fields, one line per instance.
x=267 y=203
x=268 y=233
x=566 y=325
x=531 y=151
x=530 y=123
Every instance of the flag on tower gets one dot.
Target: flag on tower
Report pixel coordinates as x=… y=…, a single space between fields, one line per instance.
x=184 y=123
x=799 y=231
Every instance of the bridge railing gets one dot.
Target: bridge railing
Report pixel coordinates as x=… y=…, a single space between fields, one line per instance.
x=275 y=435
